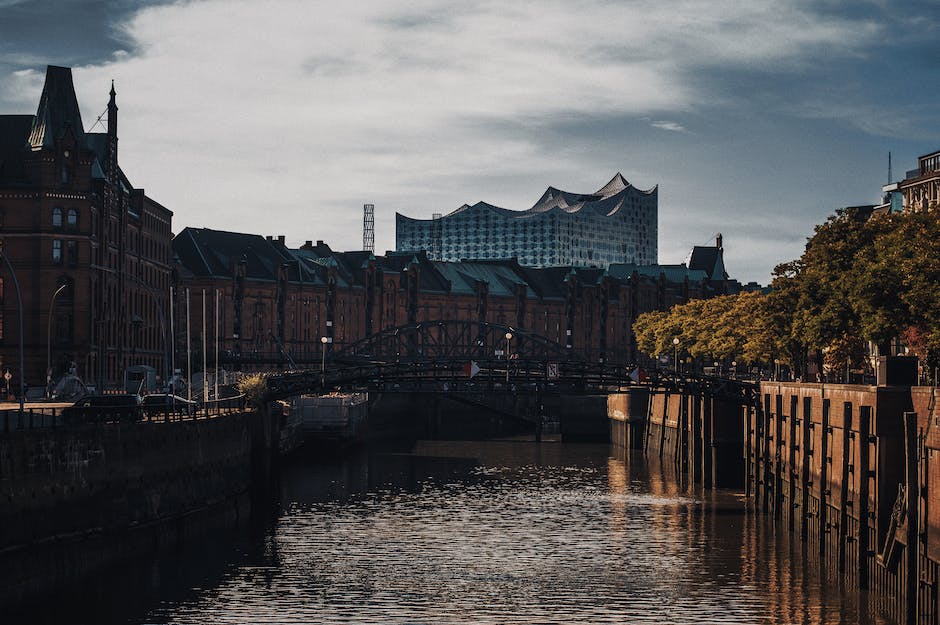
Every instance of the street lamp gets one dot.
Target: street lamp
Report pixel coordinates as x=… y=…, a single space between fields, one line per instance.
x=777 y=373
x=49 y=341
x=323 y=341
x=675 y=364
x=734 y=369
x=508 y=352
x=19 y=310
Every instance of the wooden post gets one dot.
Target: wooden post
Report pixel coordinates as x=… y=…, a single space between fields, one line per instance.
x=806 y=424
x=778 y=456
x=695 y=445
x=707 y=441
x=662 y=426
x=824 y=491
x=845 y=486
x=912 y=551
x=792 y=448
x=748 y=419
x=864 y=488
x=766 y=455
x=649 y=422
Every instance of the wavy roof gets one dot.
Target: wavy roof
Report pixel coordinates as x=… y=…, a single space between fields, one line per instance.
x=608 y=200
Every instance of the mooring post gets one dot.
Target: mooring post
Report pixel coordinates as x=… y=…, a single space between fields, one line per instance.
x=912 y=550
x=864 y=488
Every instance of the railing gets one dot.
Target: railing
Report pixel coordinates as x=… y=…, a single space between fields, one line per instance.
x=33 y=418
x=514 y=376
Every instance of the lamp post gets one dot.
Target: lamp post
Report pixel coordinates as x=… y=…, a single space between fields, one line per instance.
x=49 y=340
x=777 y=371
x=19 y=311
x=323 y=342
x=734 y=369
x=508 y=353
x=675 y=362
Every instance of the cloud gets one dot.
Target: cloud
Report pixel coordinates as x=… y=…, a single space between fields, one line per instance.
x=288 y=115
x=666 y=125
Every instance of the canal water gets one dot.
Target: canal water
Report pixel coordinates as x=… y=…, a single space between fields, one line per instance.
x=478 y=532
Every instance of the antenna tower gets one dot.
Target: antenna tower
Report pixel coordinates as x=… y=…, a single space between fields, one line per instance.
x=368 y=227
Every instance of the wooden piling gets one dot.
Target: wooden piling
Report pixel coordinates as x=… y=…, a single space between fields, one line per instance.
x=864 y=488
x=778 y=456
x=792 y=448
x=806 y=424
x=845 y=489
x=708 y=446
x=912 y=551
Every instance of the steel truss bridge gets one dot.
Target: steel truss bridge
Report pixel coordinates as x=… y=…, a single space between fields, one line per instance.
x=460 y=358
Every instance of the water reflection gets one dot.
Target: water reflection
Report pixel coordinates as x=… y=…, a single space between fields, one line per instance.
x=495 y=532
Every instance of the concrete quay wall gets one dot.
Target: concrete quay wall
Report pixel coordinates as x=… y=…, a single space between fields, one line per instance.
x=75 y=499
x=701 y=435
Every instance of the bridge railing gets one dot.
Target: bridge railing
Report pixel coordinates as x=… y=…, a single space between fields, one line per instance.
x=512 y=375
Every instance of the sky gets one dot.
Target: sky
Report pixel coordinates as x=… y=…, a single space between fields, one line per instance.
x=756 y=118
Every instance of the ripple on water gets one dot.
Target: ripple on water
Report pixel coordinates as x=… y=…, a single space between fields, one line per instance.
x=571 y=539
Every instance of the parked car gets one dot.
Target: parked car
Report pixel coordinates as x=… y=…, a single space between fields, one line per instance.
x=120 y=407
x=156 y=404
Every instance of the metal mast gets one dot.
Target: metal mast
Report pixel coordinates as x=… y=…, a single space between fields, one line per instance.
x=368 y=227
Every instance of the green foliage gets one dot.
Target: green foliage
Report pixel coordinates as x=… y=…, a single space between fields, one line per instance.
x=721 y=328
x=858 y=280
x=253 y=387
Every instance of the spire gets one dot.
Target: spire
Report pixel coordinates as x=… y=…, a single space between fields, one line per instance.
x=58 y=110
x=112 y=112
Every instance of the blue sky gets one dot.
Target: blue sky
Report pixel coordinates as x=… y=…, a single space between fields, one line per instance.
x=756 y=118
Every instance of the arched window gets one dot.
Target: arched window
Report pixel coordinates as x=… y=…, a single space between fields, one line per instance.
x=72 y=219
x=56 y=217
x=57 y=251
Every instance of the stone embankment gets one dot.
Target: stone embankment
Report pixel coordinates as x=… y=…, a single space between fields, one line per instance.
x=74 y=499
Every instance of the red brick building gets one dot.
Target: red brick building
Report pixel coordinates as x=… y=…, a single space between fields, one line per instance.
x=91 y=252
x=274 y=301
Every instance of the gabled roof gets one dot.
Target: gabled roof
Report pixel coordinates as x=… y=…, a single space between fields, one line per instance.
x=207 y=252
x=501 y=276
x=710 y=259
x=672 y=273
x=58 y=110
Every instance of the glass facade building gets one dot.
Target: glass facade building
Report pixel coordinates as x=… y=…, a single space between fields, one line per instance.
x=616 y=224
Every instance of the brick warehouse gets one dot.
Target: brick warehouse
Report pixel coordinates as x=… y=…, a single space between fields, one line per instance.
x=90 y=251
x=268 y=299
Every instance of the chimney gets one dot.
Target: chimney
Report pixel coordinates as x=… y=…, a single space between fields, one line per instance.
x=267 y=237
x=319 y=242
x=308 y=245
x=280 y=239
x=718 y=241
